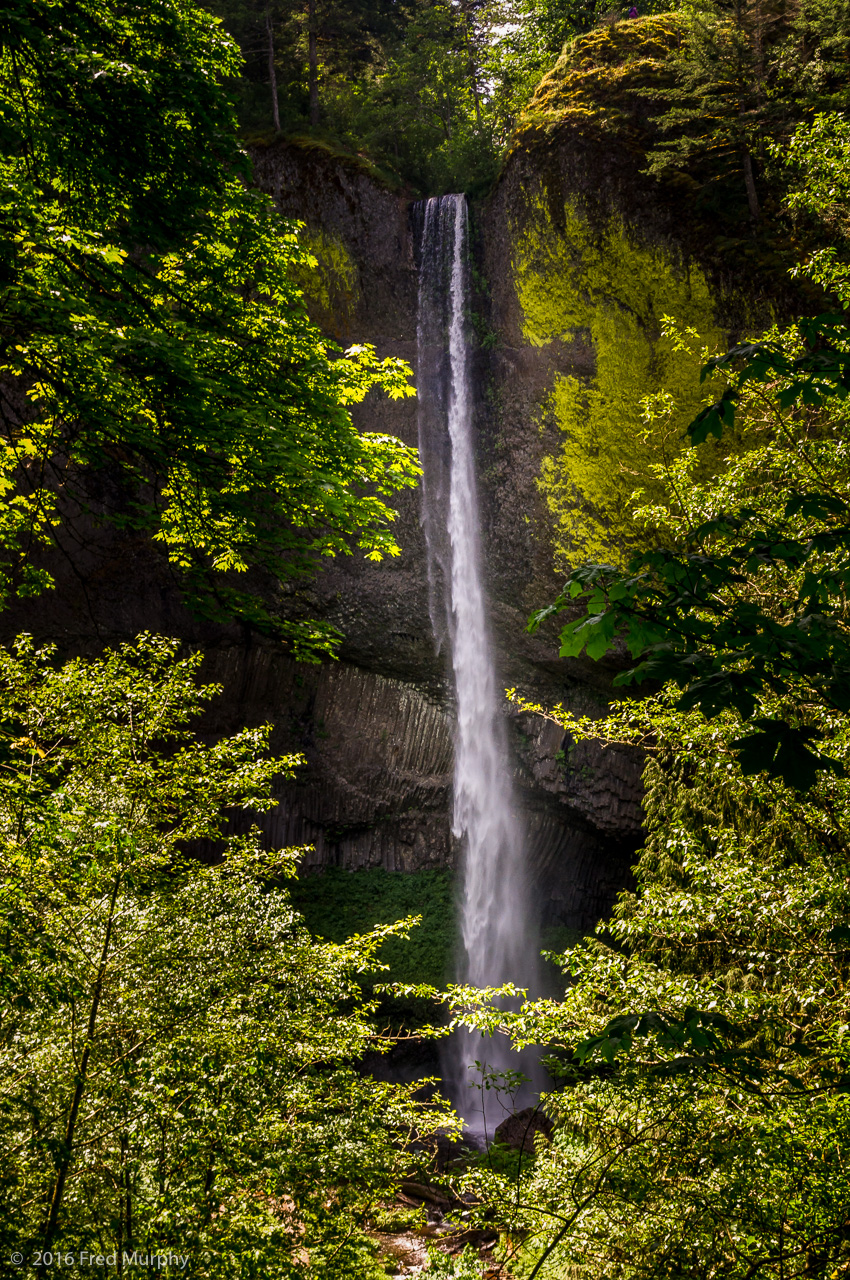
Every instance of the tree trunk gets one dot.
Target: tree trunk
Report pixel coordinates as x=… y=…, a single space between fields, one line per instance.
x=79 y=1088
x=313 y=59
x=473 y=73
x=473 y=70
x=125 y=1204
x=752 y=194
x=475 y=94
x=272 y=72
x=128 y=1191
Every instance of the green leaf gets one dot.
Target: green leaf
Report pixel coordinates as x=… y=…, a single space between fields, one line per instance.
x=713 y=420
x=784 y=752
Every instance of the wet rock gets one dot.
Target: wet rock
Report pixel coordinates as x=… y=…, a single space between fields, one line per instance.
x=518 y=1130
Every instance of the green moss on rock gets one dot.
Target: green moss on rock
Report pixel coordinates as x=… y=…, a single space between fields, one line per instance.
x=602 y=79
x=604 y=294
x=331 y=287
x=337 y=904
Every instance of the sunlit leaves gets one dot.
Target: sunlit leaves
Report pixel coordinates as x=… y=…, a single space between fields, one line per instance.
x=151 y=322
x=818 y=153
x=221 y=1091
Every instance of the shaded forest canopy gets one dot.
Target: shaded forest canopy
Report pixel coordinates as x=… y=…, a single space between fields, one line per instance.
x=431 y=93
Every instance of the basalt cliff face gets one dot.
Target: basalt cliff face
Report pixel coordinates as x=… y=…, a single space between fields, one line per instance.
x=576 y=264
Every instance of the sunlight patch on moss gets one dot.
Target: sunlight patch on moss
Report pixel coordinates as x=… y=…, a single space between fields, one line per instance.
x=331 y=288
x=605 y=293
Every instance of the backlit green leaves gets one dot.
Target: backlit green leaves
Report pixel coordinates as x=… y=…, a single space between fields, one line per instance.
x=150 y=328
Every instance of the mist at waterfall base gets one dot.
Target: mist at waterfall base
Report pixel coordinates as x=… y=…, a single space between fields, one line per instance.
x=498 y=929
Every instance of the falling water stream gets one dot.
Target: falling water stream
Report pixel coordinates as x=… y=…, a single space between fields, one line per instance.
x=499 y=936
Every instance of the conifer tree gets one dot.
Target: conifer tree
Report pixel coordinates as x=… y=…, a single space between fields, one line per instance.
x=746 y=72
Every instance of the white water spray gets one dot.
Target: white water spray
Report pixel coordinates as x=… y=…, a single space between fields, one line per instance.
x=499 y=937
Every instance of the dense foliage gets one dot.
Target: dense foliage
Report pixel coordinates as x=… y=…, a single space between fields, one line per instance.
x=741 y=601
x=427 y=91
x=178 y=1054
x=742 y=76
x=701 y=1052
x=432 y=92
x=158 y=365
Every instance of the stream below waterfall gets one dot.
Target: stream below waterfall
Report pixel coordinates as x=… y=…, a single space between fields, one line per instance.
x=499 y=929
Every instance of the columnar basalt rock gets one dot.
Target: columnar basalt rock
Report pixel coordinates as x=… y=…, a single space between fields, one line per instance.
x=375 y=788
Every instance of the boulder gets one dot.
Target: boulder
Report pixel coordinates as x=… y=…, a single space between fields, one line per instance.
x=518 y=1130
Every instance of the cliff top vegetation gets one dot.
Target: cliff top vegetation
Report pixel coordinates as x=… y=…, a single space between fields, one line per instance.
x=428 y=92
x=433 y=93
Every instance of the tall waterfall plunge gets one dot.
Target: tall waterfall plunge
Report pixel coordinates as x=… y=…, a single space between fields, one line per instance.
x=498 y=933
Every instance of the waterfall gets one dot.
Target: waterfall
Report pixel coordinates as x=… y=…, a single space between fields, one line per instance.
x=498 y=934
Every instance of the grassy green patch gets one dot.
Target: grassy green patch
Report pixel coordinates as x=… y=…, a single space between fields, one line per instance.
x=337 y=904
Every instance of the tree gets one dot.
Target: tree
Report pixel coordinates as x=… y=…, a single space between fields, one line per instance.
x=180 y=1062
x=817 y=157
x=151 y=331
x=700 y=1124
x=178 y=1056
x=426 y=112
x=700 y=1051
x=272 y=72
x=526 y=39
x=409 y=84
x=745 y=73
x=704 y=612
x=316 y=44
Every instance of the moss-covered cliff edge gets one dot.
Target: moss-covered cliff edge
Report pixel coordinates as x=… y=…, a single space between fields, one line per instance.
x=586 y=255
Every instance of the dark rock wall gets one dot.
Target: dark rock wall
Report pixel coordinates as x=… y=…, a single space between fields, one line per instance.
x=375 y=787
